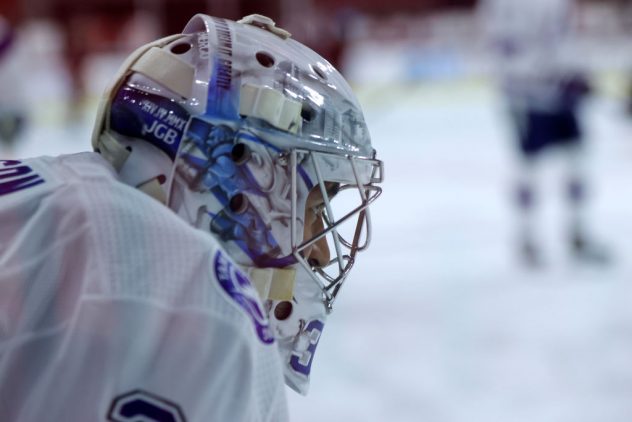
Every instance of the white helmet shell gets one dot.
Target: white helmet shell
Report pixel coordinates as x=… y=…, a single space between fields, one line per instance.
x=239 y=124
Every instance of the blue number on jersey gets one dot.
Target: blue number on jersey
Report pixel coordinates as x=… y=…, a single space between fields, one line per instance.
x=14 y=177
x=142 y=406
x=303 y=363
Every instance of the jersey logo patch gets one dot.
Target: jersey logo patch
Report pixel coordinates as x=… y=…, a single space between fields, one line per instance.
x=139 y=405
x=241 y=290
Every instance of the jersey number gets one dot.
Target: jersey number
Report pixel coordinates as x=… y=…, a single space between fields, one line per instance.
x=142 y=406
x=303 y=363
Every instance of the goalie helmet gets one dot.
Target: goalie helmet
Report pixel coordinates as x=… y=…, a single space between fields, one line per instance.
x=235 y=126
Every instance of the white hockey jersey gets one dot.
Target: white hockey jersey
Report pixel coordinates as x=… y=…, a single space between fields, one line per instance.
x=114 y=309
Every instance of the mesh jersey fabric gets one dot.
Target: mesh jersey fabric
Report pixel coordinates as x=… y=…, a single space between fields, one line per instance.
x=107 y=296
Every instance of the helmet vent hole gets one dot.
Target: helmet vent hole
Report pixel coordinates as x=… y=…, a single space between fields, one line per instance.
x=238 y=203
x=240 y=153
x=283 y=310
x=265 y=59
x=307 y=113
x=319 y=72
x=180 y=48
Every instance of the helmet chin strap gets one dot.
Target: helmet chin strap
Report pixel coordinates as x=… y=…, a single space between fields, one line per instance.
x=272 y=283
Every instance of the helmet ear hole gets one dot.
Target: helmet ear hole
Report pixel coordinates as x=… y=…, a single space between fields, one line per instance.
x=240 y=153
x=307 y=113
x=180 y=48
x=238 y=203
x=265 y=59
x=283 y=310
x=319 y=72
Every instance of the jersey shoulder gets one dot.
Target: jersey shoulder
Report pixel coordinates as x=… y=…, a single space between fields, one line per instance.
x=39 y=210
x=85 y=255
x=148 y=252
x=136 y=246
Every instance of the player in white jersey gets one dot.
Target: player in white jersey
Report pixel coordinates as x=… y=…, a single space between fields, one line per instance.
x=544 y=84
x=116 y=307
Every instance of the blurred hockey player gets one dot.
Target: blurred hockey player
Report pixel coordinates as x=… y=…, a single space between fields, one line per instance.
x=12 y=104
x=628 y=97
x=544 y=89
x=185 y=270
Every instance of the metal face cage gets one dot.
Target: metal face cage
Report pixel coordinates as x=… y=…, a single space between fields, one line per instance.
x=366 y=174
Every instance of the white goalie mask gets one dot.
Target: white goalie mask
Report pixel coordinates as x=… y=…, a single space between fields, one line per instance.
x=240 y=124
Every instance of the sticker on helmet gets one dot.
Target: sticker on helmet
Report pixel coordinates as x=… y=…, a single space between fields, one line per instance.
x=241 y=290
x=158 y=120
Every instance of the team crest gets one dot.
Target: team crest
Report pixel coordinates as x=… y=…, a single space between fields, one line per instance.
x=241 y=290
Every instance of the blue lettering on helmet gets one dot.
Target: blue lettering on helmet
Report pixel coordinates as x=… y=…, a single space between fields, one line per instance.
x=156 y=119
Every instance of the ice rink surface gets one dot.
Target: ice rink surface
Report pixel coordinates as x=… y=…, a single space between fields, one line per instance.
x=439 y=322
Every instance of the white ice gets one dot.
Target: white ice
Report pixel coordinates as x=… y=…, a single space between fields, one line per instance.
x=439 y=322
